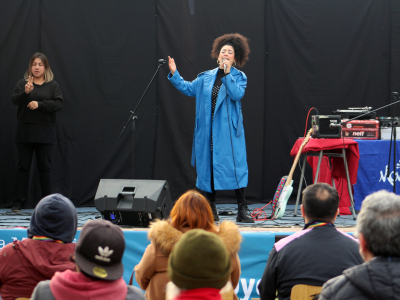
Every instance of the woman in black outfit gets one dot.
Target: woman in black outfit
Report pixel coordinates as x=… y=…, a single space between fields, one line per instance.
x=38 y=98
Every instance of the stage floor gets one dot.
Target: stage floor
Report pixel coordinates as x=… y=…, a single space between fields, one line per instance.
x=346 y=223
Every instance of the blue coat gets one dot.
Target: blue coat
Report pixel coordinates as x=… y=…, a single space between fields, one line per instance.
x=230 y=93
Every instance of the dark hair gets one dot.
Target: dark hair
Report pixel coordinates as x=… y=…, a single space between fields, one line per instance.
x=239 y=44
x=48 y=74
x=320 y=202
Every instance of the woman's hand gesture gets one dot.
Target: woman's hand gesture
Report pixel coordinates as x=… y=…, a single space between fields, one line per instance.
x=29 y=85
x=33 y=105
x=171 y=65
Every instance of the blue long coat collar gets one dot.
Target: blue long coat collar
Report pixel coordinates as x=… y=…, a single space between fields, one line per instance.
x=209 y=79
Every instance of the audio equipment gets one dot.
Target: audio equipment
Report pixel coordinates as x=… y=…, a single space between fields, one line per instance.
x=326 y=126
x=353 y=112
x=133 y=202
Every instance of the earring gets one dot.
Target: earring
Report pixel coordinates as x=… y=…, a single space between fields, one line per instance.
x=217 y=62
x=234 y=63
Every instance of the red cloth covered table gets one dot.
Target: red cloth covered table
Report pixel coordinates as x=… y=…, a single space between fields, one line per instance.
x=338 y=171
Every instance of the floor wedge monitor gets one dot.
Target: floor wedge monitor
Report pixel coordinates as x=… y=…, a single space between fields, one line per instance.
x=133 y=202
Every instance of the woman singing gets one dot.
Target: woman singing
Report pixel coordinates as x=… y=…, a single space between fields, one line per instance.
x=219 y=147
x=38 y=98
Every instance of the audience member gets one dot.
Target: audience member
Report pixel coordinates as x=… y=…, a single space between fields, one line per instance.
x=312 y=256
x=46 y=250
x=190 y=211
x=378 y=229
x=199 y=266
x=99 y=269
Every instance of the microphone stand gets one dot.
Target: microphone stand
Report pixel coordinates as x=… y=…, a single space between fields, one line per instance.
x=133 y=116
x=393 y=137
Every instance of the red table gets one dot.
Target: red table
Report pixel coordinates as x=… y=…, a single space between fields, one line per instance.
x=331 y=153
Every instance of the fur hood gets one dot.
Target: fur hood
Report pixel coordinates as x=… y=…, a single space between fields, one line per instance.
x=165 y=236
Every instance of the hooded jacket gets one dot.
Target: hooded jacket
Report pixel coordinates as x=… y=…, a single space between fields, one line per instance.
x=74 y=285
x=226 y=127
x=24 y=263
x=376 y=279
x=151 y=272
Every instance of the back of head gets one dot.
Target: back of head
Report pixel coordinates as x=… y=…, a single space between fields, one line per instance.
x=199 y=260
x=99 y=250
x=192 y=210
x=379 y=223
x=54 y=217
x=320 y=202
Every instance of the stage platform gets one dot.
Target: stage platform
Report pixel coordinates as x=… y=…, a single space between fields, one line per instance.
x=9 y=219
x=258 y=239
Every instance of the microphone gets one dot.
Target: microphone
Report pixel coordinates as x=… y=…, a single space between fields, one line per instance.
x=333 y=125
x=224 y=65
x=162 y=61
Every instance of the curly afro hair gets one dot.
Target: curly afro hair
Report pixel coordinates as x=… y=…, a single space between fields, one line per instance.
x=239 y=44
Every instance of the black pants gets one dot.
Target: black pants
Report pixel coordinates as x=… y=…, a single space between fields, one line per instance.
x=239 y=195
x=43 y=159
x=211 y=196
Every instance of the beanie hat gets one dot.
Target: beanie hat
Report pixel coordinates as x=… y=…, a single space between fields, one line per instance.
x=199 y=260
x=99 y=250
x=54 y=217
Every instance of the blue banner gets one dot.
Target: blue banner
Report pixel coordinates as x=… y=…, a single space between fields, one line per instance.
x=373 y=164
x=253 y=255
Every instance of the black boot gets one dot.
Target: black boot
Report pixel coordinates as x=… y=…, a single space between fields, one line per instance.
x=243 y=214
x=17 y=205
x=214 y=211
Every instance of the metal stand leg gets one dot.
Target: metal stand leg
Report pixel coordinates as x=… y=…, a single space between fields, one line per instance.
x=330 y=167
x=349 y=184
x=333 y=179
x=300 y=185
x=318 y=166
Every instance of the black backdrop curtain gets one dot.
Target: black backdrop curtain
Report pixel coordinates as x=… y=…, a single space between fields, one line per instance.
x=327 y=54
x=324 y=54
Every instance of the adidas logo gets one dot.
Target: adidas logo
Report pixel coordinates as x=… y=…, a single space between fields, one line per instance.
x=104 y=254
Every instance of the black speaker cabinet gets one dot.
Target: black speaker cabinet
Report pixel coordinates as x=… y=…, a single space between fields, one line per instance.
x=321 y=129
x=133 y=202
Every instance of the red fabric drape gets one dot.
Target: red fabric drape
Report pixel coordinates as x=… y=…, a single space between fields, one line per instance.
x=338 y=171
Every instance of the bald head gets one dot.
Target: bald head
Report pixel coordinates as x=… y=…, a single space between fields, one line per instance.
x=320 y=202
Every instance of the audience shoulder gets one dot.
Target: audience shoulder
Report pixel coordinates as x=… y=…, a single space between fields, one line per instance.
x=331 y=288
x=230 y=235
x=350 y=237
x=164 y=235
x=134 y=293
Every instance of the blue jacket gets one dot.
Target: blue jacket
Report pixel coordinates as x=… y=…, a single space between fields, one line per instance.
x=230 y=93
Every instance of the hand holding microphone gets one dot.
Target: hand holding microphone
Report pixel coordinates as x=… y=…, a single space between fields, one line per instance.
x=227 y=65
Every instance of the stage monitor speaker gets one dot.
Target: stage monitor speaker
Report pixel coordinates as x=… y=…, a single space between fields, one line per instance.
x=321 y=129
x=133 y=202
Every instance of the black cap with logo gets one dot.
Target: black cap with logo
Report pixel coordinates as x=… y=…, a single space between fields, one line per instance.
x=99 y=250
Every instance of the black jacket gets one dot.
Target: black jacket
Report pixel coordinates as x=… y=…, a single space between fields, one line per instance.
x=376 y=279
x=311 y=256
x=49 y=98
